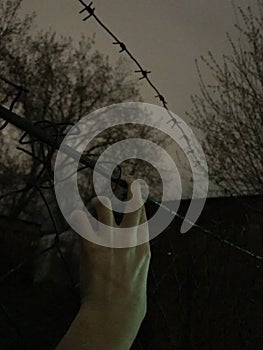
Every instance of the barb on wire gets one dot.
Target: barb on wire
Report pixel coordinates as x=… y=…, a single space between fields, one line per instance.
x=144 y=72
x=36 y=131
x=162 y=99
x=121 y=44
x=87 y=8
x=124 y=48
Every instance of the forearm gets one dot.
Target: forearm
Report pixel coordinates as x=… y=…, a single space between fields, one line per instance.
x=97 y=328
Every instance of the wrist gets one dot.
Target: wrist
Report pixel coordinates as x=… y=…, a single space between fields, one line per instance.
x=109 y=320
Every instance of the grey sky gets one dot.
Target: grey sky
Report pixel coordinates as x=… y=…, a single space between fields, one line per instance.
x=166 y=36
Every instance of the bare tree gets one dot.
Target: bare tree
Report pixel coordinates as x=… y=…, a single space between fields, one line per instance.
x=229 y=111
x=65 y=82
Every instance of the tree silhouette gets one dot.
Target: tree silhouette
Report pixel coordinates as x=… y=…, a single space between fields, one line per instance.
x=65 y=82
x=229 y=111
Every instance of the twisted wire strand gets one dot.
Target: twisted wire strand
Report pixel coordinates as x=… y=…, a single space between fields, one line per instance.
x=144 y=72
x=42 y=136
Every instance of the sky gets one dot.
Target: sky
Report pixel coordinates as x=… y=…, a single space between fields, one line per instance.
x=166 y=36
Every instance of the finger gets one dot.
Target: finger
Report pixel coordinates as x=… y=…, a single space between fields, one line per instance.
x=143 y=215
x=129 y=179
x=82 y=226
x=143 y=231
x=105 y=217
x=81 y=222
x=104 y=213
x=132 y=219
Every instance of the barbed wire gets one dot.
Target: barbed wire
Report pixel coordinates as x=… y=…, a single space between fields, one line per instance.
x=90 y=9
x=39 y=133
x=144 y=72
x=145 y=75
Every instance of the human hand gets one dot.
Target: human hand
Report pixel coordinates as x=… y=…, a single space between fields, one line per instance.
x=113 y=280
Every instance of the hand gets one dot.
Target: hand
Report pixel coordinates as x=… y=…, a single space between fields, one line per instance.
x=113 y=282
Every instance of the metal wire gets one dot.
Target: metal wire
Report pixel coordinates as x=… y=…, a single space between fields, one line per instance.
x=144 y=72
x=37 y=132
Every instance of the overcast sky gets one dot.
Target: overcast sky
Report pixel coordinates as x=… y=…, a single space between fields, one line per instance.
x=165 y=35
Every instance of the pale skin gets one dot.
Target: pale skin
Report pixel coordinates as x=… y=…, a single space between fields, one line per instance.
x=113 y=283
